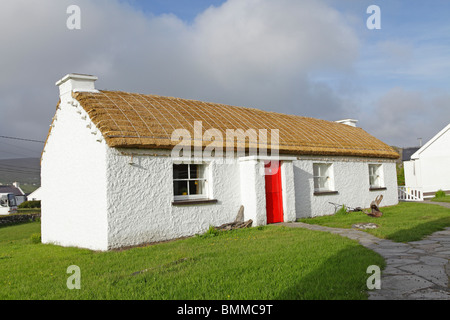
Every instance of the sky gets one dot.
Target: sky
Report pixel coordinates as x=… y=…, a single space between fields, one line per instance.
x=314 y=58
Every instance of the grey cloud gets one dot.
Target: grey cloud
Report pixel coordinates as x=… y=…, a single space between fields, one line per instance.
x=255 y=53
x=402 y=116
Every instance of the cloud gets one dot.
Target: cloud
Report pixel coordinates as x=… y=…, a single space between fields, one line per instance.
x=255 y=53
x=401 y=116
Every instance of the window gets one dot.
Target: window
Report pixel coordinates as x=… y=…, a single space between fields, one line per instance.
x=375 y=176
x=12 y=200
x=189 y=181
x=323 y=180
x=8 y=201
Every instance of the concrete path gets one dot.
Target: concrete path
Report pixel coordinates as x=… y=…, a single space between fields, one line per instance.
x=418 y=270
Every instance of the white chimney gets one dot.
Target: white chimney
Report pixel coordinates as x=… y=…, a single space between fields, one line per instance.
x=349 y=122
x=16 y=184
x=77 y=83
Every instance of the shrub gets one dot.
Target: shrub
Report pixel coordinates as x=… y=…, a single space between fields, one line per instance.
x=400 y=175
x=440 y=194
x=212 y=232
x=342 y=210
x=30 y=204
x=35 y=238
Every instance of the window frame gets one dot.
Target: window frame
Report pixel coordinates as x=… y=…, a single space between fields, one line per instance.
x=378 y=176
x=204 y=179
x=329 y=175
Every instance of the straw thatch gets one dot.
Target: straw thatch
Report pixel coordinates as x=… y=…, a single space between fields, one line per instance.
x=130 y=120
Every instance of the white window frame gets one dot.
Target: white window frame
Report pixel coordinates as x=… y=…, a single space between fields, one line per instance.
x=377 y=176
x=328 y=175
x=204 y=179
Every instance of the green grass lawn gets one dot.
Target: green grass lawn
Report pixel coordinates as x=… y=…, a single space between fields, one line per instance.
x=402 y=223
x=266 y=263
x=441 y=199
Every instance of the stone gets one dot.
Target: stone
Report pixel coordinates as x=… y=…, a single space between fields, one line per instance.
x=405 y=284
x=365 y=225
x=434 y=274
x=435 y=261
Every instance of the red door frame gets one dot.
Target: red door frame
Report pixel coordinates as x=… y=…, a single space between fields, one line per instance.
x=274 y=193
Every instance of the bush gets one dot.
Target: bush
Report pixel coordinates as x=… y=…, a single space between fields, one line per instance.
x=35 y=238
x=342 y=210
x=440 y=194
x=30 y=204
x=212 y=232
x=400 y=175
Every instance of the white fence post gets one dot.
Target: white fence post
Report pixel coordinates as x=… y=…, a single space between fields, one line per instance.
x=410 y=194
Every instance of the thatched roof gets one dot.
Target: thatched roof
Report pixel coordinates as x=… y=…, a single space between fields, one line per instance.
x=130 y=120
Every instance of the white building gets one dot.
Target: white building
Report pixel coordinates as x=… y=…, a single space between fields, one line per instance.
x=35 y=195
x=110 y=180
x=429 y=167
x=15 y=189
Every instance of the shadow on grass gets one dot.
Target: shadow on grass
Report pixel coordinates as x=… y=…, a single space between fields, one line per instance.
x=341 y=277
x=420 y=231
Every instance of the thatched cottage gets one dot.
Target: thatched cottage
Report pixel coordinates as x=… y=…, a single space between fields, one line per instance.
x=121 y=169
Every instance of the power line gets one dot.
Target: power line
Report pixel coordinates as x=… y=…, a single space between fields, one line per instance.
x=21 y=139
x=18 y=147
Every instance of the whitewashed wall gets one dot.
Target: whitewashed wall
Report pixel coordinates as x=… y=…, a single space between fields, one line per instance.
x=140 y=197
x=288 y=188
x=73 y=178
x=351 y=181
x=430 y=170
x=413 y=176
x=252 y=187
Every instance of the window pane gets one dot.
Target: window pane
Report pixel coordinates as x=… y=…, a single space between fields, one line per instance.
x=196 y=187
x=316 y=170
x=374 y=177
x=180 y=188
x=194 y=174
x=180 y=171
x=320 y=170
x=321 y=176
x=321 y=183
x=316 y=183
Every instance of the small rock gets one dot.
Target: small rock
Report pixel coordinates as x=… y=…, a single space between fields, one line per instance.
x=365 y=225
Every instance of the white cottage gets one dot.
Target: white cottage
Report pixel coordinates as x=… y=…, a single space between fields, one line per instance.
x=122 y=169
x=429 y=168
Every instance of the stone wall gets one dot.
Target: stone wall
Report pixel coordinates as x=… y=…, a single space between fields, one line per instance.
x=7 y=220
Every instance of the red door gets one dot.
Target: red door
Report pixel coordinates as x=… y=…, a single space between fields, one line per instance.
x=274 y=200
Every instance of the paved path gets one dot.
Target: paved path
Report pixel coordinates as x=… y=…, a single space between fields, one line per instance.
x=418 y=270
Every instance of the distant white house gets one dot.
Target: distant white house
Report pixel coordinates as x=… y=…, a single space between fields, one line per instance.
x=16 y=191
x=429 y=167
x=35 y=195
x=126 y=187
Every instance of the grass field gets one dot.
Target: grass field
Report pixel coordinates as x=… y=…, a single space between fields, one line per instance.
x=266 y=263
x=441 y=199
x=405 y=222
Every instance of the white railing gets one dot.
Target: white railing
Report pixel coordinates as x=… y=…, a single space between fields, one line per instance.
x=410 y=194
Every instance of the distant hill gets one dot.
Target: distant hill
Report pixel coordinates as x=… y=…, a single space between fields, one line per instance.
x=26 y=171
